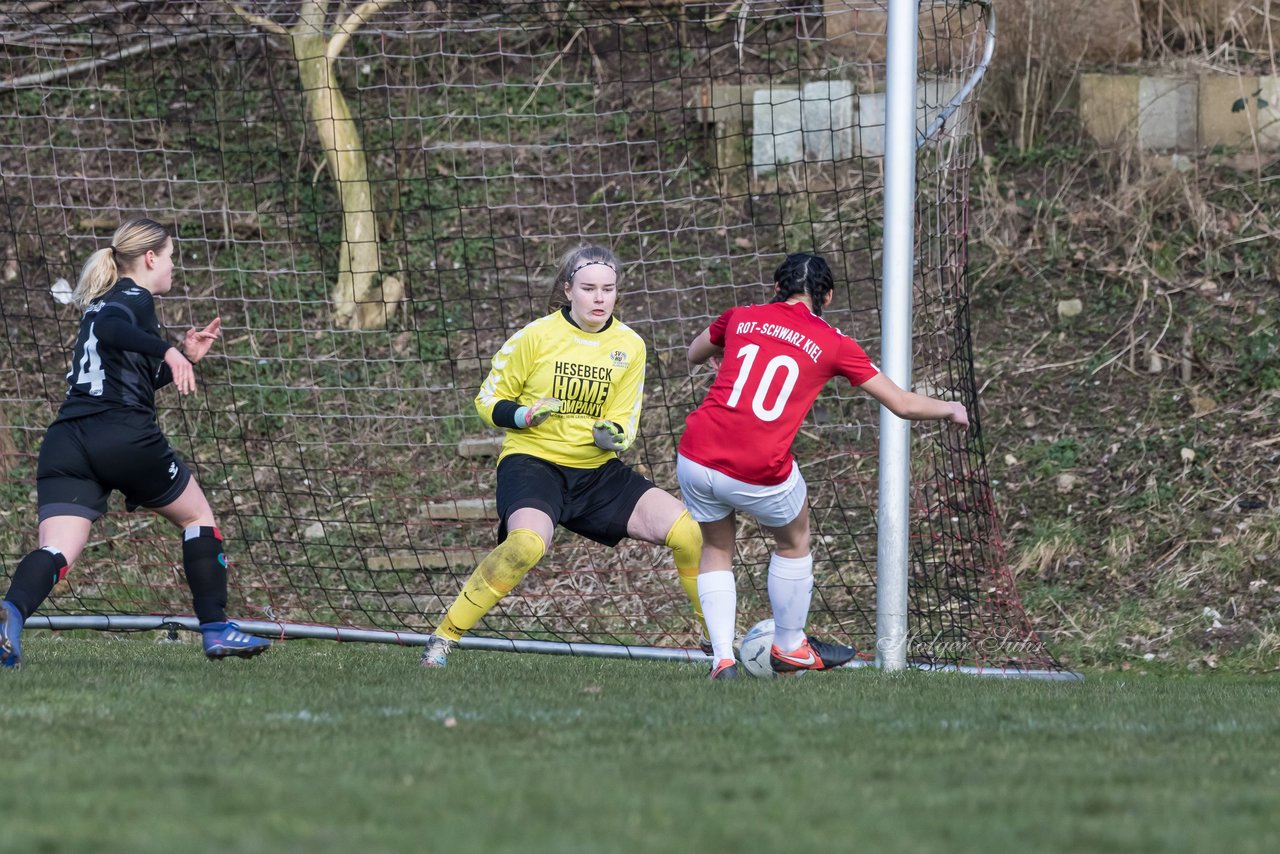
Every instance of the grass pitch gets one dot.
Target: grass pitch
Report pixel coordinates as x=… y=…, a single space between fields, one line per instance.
x=123 y=744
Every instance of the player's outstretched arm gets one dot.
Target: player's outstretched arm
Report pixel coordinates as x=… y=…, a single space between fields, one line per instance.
x=913 y=406
x=196 y=343
x=116 y=331
x=701 y=349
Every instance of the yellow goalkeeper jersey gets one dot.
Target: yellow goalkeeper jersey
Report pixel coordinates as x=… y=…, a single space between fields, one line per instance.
x=595 y=376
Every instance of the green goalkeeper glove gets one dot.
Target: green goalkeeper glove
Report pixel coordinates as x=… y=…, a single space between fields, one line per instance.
x=537 y=412
x=609 y=436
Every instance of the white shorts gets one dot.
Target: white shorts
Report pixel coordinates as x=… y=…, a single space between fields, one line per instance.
x=711 y=495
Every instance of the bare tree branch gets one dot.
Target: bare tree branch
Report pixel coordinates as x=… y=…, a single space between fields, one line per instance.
x=107 y=59
x=258 y=21
x=63 y=23
x=537 y=85
x=31 y=9
x=343 y=32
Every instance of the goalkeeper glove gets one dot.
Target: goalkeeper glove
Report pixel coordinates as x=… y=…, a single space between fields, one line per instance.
x=609 y=436
x=537 y=412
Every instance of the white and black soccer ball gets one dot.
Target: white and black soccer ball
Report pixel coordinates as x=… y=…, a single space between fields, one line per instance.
x=753 y=652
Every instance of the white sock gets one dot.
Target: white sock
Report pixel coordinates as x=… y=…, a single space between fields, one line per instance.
x=718 y=594
x=790 y=589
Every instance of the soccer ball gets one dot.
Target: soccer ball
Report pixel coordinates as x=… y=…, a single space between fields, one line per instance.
x=753 y=652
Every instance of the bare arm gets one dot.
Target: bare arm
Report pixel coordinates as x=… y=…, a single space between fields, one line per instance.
x=702 y=349
x=195 y=345
x=196 y=342
x=912 y=406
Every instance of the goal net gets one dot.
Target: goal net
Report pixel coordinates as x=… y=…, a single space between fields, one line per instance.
x=373 y=206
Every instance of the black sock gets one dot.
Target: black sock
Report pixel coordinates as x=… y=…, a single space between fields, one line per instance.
x=34 y=579
x=206 y=568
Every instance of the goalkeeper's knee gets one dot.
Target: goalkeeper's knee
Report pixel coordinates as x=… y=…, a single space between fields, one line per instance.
x=495 y=577
x=685 y=541
x=503 y=567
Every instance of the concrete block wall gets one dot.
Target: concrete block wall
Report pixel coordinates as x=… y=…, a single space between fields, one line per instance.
x=1221 y=123
x=1171 y=113
x=819 y=121
x=1181 y=113
x=815 y=122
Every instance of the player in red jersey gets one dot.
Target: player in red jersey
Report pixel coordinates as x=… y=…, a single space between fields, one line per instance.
x=735 y=453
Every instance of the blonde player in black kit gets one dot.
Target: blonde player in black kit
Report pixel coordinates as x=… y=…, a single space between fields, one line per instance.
x=568 y=389
x=106 y=438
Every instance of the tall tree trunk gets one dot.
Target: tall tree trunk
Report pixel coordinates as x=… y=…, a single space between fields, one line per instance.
x=362 y=297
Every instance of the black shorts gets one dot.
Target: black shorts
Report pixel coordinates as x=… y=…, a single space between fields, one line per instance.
x=83 y=459
x=593 y=503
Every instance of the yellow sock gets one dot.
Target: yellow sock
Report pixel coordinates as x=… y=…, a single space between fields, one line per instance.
x=685 y=541
x=689 y=581
x=494 y=577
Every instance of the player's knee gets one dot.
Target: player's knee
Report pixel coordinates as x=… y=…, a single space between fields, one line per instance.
x=515 y=556
x=685 y=541
x=793 y=538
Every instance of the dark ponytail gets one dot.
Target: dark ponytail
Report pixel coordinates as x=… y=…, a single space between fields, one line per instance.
x=804 y=273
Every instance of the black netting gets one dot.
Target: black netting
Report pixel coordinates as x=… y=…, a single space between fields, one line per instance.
x=334 y=430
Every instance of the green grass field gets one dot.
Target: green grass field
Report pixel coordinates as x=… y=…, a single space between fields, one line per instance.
x=124 y=744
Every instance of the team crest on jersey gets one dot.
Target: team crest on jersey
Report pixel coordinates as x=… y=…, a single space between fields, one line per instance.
x=619 y=358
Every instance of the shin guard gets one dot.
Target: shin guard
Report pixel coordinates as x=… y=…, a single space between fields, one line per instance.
x=206 y=567
x=33 y=579
x=495 y=577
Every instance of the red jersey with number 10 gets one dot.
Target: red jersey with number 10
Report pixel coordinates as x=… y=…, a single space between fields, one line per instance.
x=777 y=358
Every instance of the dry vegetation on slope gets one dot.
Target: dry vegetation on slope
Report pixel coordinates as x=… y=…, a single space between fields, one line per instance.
x=1135 y=441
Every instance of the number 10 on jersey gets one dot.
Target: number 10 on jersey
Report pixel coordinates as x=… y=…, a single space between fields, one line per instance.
x=780 y=363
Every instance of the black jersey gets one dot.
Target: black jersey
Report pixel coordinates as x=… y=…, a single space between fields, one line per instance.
x=119 y=356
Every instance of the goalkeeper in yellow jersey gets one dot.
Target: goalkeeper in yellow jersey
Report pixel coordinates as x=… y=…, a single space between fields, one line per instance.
x=568 y=389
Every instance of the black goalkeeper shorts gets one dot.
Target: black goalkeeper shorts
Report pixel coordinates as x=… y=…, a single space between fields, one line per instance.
x=83 y=459
x=593 y=503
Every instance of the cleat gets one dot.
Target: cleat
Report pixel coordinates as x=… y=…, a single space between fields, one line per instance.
x=813 y=654
x=10 y=636
x=226 y=639
x=436 y=653
x=727 y=668
x=704 y=644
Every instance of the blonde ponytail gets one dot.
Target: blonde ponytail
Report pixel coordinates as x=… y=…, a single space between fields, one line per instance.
x=133 y=239
x=96 y=278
